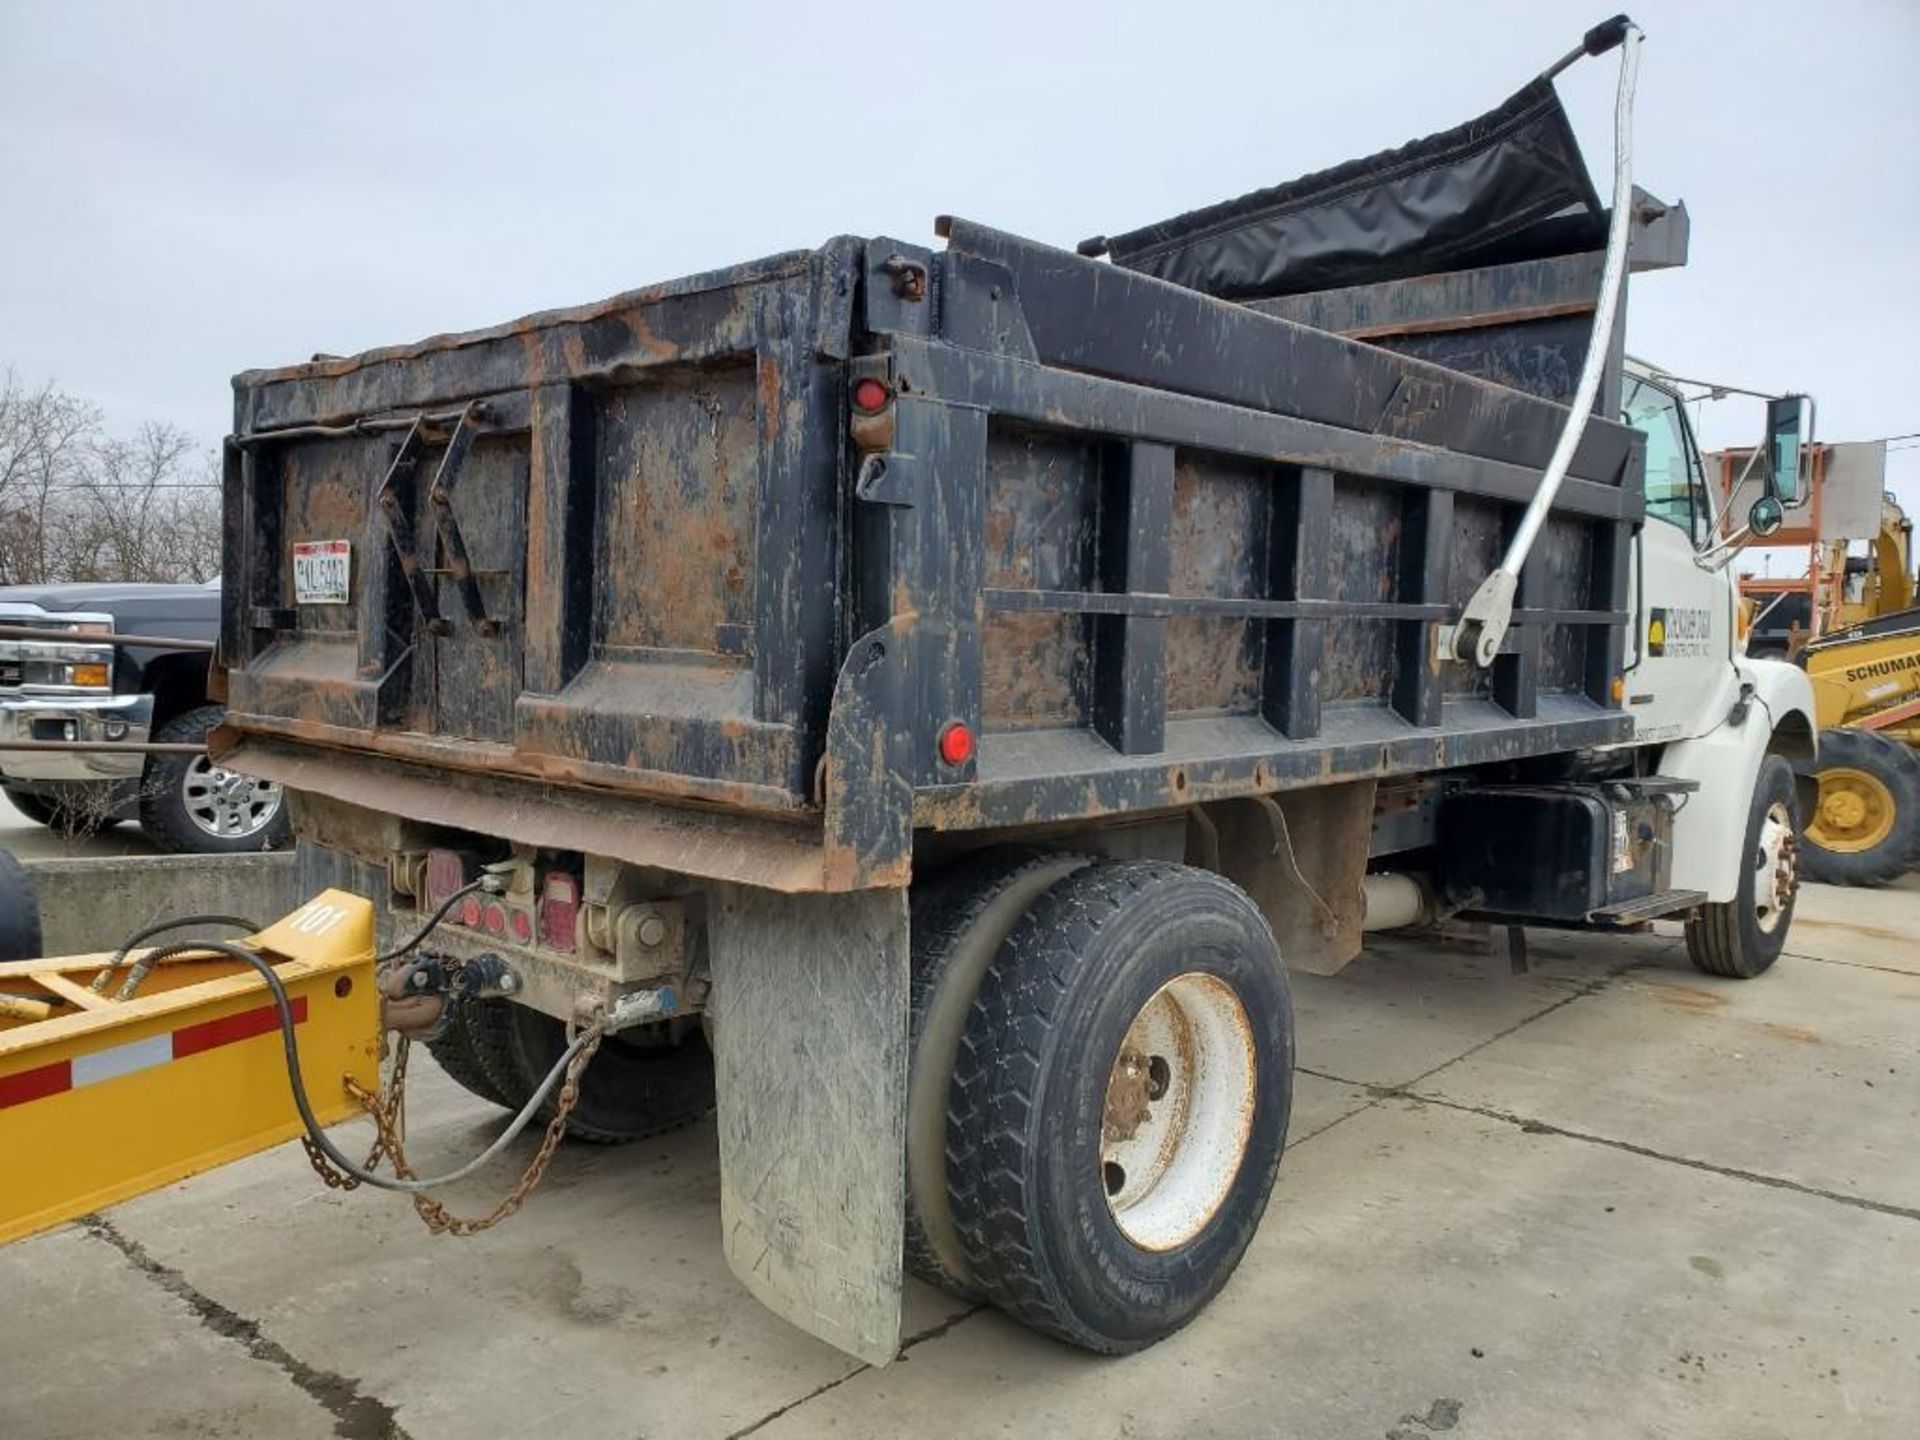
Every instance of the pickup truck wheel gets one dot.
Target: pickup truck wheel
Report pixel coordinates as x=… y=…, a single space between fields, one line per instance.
x=958 y=923
x=1865 y=826
x=641 y=1082
x=1742 y=939
x=1120 y=1103
x=190 y=804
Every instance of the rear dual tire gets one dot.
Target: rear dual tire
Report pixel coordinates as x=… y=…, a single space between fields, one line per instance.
x=1118 y=1103
x=959 y=921
x=640 y=1082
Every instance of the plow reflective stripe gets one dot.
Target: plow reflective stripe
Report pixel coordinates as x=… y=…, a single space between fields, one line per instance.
x=121 y=1060
x=138 y=1055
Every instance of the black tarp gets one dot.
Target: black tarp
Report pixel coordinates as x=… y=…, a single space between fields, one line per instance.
x=1508 y=185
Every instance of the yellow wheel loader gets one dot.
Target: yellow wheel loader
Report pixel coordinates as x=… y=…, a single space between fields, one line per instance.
x=1865 y=826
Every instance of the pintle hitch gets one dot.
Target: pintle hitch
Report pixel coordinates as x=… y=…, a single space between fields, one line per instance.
x=419 y=1000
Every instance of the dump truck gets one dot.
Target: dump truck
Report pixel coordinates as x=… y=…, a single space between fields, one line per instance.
x=921 y=702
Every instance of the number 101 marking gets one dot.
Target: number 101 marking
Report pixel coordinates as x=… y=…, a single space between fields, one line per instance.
x=317 y=918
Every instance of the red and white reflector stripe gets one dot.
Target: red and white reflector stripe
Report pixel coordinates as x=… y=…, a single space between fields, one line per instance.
x=137 y=1055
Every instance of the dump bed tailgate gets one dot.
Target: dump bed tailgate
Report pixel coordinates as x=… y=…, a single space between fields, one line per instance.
x=597 y=545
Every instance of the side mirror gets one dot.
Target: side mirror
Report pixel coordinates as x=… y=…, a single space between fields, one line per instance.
x=1789 y=434
x=1766 y=516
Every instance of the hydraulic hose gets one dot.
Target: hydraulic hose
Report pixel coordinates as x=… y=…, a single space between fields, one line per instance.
x=433 y=920
x=160 y=927
x=291 y=1048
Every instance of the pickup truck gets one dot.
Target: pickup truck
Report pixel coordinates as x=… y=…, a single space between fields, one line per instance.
x=83 y=686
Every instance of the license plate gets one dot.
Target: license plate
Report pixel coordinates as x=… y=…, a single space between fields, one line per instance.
x=320 y=572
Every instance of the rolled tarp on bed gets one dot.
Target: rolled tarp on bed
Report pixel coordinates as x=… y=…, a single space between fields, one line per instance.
x=1509 y=184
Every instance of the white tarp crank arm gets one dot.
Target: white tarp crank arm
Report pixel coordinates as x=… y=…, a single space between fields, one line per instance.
x=1484 y=620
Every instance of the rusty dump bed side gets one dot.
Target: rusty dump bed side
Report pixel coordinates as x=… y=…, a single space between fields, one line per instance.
x=642 y=579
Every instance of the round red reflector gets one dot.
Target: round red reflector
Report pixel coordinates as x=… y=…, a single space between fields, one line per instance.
x=496 y=920
x=470 y=910
x=522 y=925
x=956 y=744
x=870 y=396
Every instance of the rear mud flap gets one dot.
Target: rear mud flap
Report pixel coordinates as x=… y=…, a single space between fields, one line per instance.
x=810 y=1040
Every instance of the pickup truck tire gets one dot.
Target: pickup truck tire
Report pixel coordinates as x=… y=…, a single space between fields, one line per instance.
x=1865 y=828
x=959 y=920
x=1743 y=938
x=641 y=1082
x=1120 y=1103
x=183 y=810
x=19 y=911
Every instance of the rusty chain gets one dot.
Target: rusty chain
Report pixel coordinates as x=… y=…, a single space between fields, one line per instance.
x=393 y=1106
x=388 y=1113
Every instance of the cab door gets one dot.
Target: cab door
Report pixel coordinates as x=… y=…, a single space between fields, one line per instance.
x=1680 y=660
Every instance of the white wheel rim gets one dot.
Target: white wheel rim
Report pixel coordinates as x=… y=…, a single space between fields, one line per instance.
x=1776 y=869
x=1179 y=1111
x=224 y=803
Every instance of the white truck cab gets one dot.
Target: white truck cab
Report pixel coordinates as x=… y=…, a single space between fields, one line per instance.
x=1704 y=711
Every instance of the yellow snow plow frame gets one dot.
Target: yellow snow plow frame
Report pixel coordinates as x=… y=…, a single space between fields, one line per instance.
x=105 y=1099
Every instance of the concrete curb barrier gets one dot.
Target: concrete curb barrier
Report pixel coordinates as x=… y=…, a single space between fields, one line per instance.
x=90 y=903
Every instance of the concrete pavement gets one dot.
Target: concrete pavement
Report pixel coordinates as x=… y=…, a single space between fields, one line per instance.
x=1612 y=1197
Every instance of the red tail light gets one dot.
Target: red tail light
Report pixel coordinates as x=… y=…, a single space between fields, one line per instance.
x=870 y=396
x=956 y=744
x=559 y=909
x=446 y=873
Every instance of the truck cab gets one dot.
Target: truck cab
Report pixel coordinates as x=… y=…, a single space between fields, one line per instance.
x=1690 y=684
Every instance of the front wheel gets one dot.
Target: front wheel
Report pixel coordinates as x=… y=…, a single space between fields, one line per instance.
x=1742 y=939
x=189 y=803
x=1120 y=1103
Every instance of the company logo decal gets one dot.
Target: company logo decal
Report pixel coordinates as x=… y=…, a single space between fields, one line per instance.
x=1893 y=666
x=1679 y=630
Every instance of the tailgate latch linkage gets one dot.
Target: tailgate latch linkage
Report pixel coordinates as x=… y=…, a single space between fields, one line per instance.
x=395 y=510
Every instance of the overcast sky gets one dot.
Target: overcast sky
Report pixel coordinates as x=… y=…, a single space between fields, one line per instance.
x=190 y=190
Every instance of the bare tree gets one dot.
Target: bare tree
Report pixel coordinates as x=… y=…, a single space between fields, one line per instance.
x=46 y=438
x=151 y=509
x=78 y=504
